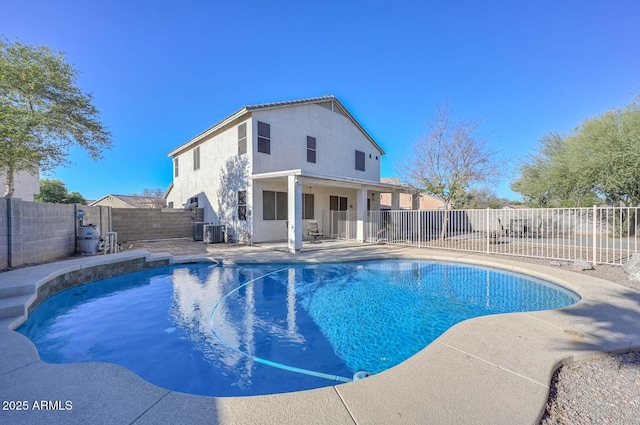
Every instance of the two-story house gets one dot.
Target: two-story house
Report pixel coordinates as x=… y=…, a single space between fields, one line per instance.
x=266 y=170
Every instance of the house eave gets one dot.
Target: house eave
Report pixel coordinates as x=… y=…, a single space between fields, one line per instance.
x=335 y=181
x=247 y=110
x=185 y=146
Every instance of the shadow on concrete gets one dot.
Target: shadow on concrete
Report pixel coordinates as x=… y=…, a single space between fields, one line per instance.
x=605 y=327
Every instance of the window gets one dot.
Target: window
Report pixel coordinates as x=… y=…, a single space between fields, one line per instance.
x=264 y=137
x=192 y=203
x=337 y=203
x=311 y=149
x=242 y=138
x=359 y=160
x=307 y=206
x=274 y=205
x=175 y=167
x=196 y=158
x=242 y=205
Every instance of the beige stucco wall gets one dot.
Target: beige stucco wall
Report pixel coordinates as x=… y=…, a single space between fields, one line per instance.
x=219 y=160
x=337 y=139
x=406 y=201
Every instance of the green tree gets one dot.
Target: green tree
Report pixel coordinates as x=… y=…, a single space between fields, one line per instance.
x=449 y=160
x=478 y=199
x=42 y=112
x=55 y=191
x=600 y=158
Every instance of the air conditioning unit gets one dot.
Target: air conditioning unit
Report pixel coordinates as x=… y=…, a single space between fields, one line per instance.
x=198 y=227
x=213 y=233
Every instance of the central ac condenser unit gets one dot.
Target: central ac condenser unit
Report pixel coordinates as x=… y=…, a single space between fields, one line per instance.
x=213 y=233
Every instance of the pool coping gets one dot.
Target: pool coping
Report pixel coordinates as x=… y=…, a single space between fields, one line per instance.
x=492 y=369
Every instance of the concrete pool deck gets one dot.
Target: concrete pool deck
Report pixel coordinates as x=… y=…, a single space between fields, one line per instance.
x=489 y=370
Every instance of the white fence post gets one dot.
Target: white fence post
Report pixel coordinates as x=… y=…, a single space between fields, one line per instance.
x=594 y=228
x=488 y=231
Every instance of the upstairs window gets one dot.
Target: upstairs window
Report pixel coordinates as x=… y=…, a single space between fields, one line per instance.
x=192 y=202
x=359 y=161
x=196 y=158
x=264 y=137
x=242 y=139
x=242 y=205
x=311 y=149
x=175 y=167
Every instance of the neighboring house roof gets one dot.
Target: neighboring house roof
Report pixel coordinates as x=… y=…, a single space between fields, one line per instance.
x=514 y=207
x=322 y=101
x=131 y=200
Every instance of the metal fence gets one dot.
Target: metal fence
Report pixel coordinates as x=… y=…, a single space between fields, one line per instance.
x=600 y=235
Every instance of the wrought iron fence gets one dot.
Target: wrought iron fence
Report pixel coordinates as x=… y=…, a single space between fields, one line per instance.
x=599 y=234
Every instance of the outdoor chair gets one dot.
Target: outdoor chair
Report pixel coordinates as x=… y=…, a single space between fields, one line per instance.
x=313 y=229
x=519 y=227
x=504 y=231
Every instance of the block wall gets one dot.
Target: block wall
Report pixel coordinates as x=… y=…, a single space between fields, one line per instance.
x=136 y=224
x=34 y=232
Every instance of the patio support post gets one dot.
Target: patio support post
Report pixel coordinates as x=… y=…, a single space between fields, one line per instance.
x=395 y=201
x=361 y=213
x=294 y=214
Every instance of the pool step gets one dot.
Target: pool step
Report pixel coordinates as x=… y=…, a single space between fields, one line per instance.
x=14 y=290
x=13 y=306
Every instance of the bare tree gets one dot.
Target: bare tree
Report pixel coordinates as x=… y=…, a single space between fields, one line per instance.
x=449 y=159
x=151 y=198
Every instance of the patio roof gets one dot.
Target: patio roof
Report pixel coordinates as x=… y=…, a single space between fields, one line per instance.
x=329 y=180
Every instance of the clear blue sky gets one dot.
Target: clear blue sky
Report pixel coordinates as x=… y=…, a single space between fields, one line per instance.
x=163 y=71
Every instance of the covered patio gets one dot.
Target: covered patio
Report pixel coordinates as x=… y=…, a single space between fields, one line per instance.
x=312 y=197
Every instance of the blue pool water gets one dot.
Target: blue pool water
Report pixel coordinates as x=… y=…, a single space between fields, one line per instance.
x=260 y=329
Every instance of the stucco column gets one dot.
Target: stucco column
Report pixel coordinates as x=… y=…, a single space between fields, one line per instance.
x=294 y=204
x=395 y=200
x=415 y=201
x=361 y=213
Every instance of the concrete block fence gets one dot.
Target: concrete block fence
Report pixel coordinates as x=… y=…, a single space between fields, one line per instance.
x=136 y=224
x=36 y=233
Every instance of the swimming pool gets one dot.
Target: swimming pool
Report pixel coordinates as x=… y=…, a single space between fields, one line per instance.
x=258 y=329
